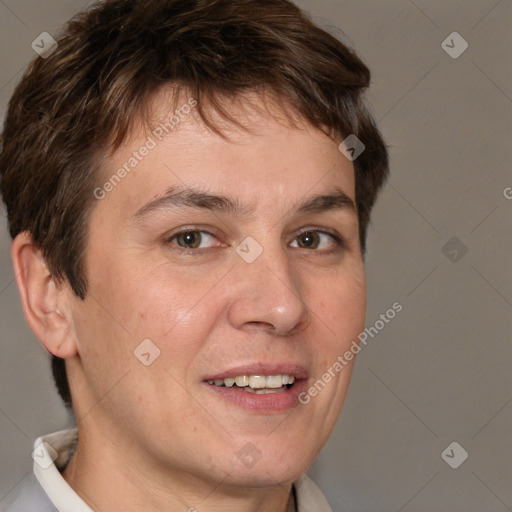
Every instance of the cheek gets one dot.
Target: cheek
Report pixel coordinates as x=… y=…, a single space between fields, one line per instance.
x=341 y=304
x=175 y=306
x=176 y=310
x=149 y=298
x=127 y=304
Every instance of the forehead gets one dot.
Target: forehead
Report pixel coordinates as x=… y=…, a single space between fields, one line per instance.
x=276 y=161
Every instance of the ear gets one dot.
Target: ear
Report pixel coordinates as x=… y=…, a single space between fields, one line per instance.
x=45 y=301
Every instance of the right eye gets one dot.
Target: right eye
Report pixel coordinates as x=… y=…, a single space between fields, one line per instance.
x=190 y=239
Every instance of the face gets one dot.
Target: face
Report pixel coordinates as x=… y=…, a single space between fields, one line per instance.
x=262 y=286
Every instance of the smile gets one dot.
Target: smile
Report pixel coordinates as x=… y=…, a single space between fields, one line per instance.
x=259 y=384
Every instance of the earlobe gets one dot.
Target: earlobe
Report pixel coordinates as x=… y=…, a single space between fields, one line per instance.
x=43 y=299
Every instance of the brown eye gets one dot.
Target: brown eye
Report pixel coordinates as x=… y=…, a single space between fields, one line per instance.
x=309 y=239
x=191 y=239
x=316 y=239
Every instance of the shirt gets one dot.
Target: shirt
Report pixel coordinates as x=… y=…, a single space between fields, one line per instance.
x=46 y=490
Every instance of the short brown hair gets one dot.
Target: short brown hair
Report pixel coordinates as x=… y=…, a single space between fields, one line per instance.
x=79 y=103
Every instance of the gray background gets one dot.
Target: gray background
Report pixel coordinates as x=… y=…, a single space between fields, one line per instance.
x=441 y=370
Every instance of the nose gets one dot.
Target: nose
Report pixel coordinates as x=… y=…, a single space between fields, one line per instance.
x=267 y=294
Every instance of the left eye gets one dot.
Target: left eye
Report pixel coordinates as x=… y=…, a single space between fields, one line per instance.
x=312 y=239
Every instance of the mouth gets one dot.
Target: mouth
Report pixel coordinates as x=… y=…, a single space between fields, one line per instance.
x=258 y=384
x=265 y=389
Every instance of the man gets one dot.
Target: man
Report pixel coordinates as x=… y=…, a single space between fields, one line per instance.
x=188 y=188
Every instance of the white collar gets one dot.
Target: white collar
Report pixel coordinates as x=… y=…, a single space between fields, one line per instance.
x=49 y=452
x=53 y=451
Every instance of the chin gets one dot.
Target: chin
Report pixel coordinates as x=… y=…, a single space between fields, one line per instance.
x=264 y=476
x=269 y=466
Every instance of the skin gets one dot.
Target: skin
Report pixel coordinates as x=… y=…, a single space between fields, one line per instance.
x=154 y=437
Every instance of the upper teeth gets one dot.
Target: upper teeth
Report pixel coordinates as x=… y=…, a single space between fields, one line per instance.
x=255 y=381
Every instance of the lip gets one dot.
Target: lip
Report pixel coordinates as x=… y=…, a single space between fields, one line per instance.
x=264 y=369
x=271 y=403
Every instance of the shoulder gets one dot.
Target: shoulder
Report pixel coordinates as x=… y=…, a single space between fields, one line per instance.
x=27 y=496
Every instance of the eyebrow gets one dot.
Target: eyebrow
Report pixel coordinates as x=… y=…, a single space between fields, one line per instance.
x=200 y=200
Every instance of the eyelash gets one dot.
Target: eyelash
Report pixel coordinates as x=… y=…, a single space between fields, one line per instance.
x=339 y=240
